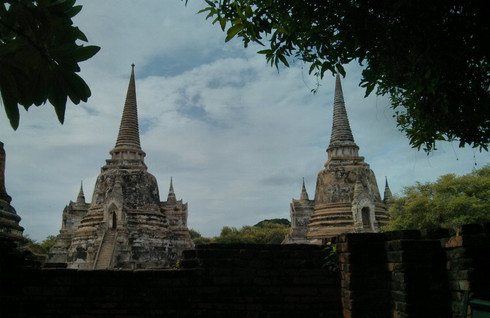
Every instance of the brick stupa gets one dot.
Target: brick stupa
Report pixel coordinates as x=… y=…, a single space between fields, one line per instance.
x=9 y=220
x=126 y=225
x=347 y=198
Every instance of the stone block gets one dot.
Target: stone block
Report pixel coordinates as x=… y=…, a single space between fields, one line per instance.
x=374 y=247
x=470 y=229
x=188 y=254
x=365 y=238
x=404 y=234
x=300 y=291
x=413 y=245
x=189 y=263
x=460 y=264
x=455 y=253
x=467 y=274
x=459 y=285
x=486 y=228
x=434 y=233
x=476 y=240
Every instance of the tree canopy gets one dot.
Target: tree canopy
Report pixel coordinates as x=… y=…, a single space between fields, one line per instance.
x=430 y=57
x=267 y=222
x=449 y=202
x=39 y=56
x=48 y=242
x=265 y=232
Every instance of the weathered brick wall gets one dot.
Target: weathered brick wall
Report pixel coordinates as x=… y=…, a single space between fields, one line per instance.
x=468 y=266
x=365 y=281
x=224 y=281
x=394 y=274
x=277 y=279
x=414 y=273
x=418 y=278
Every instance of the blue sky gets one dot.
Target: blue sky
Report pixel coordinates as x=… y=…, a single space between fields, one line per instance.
x=236 y=135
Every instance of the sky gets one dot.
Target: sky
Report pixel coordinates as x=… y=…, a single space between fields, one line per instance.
x=236 y=135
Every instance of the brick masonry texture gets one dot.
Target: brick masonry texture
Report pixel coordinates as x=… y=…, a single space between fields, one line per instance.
x=221 y=281
x=394 y=274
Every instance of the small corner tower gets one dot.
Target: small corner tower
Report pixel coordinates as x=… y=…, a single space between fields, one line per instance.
x=300 y=212
x=387 y=195
x=73 y=213
x=176 y=213
x=347 y=198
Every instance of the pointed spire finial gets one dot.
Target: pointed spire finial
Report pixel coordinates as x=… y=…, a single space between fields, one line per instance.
x=387 y=193
x=342 y=142
x=127 y=151
x=304 y=194
x=171 y=194
x=129 y=130
x=81 y=196
x=341 y=132
x=3 y=192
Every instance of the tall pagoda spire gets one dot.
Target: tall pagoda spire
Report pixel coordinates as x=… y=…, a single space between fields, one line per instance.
x=387 y=194
x=304 y=194
x=171 y=194
x=128 y=150
x=341 y=133
x=128 y=130
x=81 y=196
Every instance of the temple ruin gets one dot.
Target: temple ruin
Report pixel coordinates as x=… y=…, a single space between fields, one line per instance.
x=9 y=220
x=347 y=198
x=126 y=225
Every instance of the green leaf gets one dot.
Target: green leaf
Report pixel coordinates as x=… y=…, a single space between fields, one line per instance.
x=211 y=3
x=78 y=87
x=369 y=89
x=264 y=52
x=74 y=11
x=233 y=31
x=312 y=67
x=222 y=22
x=325 y=67
x=81 y=36
x=83 y=53
x=283 y=59
x=12 y=110
x=211 y=10
x=340 y=69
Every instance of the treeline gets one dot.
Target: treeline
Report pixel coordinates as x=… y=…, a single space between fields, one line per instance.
x=449 y=203
x=265 y=232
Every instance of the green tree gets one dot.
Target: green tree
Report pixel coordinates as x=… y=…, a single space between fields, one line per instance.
x=449 y=202
x=276 y=221
x=430 y=57
x=264 y=232
x=29 y=240
x=197 y=238
x=39 y=56
x=194 y=234
x=48 y=242
x=33 y=246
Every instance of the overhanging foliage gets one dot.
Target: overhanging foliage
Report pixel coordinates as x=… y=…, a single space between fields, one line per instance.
x=430 y=57
x=39 y=56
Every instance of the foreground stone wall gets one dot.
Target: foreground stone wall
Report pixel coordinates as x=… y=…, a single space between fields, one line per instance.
x=394 y=274
x=219 y=281
x=414 y=273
